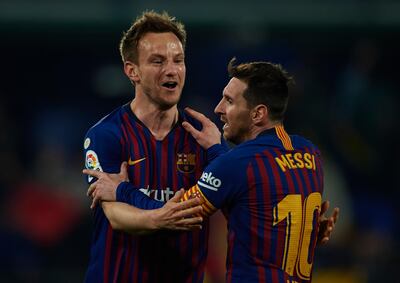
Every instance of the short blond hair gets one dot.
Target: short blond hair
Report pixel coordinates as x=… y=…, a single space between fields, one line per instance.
x=149 y=21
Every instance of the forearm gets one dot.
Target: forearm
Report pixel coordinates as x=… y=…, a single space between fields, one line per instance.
x=128 y=218
x=128 y=194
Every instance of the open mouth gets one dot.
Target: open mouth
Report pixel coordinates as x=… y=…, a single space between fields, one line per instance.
x=170 y=85
x=225 y=123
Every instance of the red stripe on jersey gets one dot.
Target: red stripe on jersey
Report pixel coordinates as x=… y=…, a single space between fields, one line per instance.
x=289 y=180
x=123 y=140
x=145 y=147
x=133 y=138
x=107 y=253
x=164 y=164
x=135 y=272
x=154 y=171
x=195 y=252
x=266 y=200
x=186 y=179
x=173 y=159
x=128 y=256
x=145 y=275
x=253 y=202
x=120 y=248
x=275 y=275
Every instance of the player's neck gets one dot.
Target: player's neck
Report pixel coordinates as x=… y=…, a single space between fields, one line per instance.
x=158 y=121
x=257 y=130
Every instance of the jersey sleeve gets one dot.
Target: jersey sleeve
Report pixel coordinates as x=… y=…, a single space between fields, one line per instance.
x=104 y=152
x=218 y=186
x=128 y=194
x=216 y=150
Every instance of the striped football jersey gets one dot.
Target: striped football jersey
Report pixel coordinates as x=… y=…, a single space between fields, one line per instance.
x=269 y=188
x=157 y=169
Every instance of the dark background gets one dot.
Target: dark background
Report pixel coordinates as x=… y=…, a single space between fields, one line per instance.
x=61 y=72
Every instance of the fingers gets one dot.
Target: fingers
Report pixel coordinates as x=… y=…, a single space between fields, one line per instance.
x=324 y=207
x=189 y=212
x=187 y=228
x=197 y=115
x=189 y=203
x=190 y=129
x=335 y=214
x=178 y=195
x=93 y=173
x=189 y=221
x=91 y=189
x=95 y=200
x=324 y=240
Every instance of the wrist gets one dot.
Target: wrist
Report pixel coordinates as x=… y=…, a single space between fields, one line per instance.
x=153 y=218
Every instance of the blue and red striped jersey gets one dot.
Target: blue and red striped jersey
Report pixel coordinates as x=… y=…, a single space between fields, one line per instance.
x=158 y=169
x=269 y=188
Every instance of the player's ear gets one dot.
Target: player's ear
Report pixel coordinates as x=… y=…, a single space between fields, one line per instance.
x=132 y=71
x=259 y=114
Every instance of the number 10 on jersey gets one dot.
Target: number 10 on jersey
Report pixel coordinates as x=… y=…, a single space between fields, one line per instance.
x=299 y=226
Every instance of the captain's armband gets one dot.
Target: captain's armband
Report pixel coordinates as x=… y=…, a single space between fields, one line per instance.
x=208 y=208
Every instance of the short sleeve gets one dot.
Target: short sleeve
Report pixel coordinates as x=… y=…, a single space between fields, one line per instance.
x=103 y=150
x=219 y=183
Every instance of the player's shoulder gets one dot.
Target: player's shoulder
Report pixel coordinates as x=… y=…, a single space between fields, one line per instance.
x=303 y=143
x=109 y=124
x=233 y=160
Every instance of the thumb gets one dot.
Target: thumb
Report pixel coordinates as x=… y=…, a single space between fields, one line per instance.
x=124 y=170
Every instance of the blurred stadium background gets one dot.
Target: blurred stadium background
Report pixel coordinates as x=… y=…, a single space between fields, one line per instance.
x=61 y=72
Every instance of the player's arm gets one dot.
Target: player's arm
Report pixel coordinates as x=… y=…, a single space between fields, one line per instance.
x=218 y=185
x=174 y=215
x=116 y=187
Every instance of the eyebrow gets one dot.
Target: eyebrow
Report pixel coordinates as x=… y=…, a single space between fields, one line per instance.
x=158 y=55
x=227 y=96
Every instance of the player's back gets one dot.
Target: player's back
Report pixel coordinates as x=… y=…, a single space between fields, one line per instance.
x=270 y=190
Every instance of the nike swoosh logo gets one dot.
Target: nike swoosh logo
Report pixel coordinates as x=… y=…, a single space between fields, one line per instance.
x=133 y=162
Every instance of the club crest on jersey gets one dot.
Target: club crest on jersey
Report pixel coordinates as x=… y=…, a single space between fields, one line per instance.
x=186 y=162
x=92 y=162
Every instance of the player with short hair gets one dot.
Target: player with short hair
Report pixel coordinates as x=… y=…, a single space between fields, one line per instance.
x=269 y=186
x=160 y=157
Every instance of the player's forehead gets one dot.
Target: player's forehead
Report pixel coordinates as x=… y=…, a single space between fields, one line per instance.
x=235 y=88
x=160 y=43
